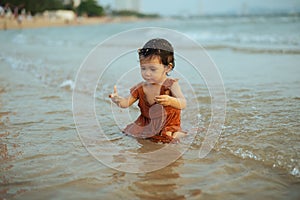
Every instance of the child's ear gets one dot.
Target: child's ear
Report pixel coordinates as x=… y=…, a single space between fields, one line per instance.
x=170 y=66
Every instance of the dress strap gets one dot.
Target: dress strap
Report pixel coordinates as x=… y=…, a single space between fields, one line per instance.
x=166 y=87
x=136 y=90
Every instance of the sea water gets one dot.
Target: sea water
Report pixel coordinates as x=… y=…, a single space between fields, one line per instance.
x=255 y=156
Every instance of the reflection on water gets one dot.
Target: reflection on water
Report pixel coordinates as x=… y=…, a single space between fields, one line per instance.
x=164 y=185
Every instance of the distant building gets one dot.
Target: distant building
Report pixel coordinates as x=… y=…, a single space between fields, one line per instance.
x=244 y=9
x=75 y=3
x=65 y=2
x=66 y=15
x=133 y=5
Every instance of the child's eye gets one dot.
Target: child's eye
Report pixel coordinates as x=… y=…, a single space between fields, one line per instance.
x=153 y=70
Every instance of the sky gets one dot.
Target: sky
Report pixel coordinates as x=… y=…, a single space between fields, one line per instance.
x=196 y=7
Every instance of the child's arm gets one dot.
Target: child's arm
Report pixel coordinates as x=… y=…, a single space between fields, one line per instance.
x=121 y=101
x=177 y=100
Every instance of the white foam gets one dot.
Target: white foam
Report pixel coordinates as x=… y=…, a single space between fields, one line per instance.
x=295 y=172
x=67 y=84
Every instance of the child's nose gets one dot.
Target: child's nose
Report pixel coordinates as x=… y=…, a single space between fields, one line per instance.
x=148 y=73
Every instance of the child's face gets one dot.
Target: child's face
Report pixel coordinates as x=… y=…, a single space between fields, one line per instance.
x=152 y=70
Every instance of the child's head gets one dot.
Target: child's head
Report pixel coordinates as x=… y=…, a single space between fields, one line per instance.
x=160 y=48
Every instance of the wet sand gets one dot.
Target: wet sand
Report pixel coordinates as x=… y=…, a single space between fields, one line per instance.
x=39 y=22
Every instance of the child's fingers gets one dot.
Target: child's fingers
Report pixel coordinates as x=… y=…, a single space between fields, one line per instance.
x=161 y=97
x=157 y=99
x=114 y=94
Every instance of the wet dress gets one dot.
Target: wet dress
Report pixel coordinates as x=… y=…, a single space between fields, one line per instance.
x=155 y=120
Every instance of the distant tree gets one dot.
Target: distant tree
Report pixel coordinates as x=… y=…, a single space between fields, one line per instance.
x=34 y=6
x=90 y=8
x=133 y=13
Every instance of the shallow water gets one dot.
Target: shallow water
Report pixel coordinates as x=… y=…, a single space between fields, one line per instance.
x=256 y=156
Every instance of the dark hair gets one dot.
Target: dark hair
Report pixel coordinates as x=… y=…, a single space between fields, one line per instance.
x=158 y=47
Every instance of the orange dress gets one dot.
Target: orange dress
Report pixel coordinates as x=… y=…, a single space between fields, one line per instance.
x=155 y=120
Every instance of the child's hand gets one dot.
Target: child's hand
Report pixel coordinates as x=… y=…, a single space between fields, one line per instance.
x=163 y=100
x=114 y=96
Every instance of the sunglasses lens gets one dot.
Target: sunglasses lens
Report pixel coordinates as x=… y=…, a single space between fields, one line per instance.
x=148 y=51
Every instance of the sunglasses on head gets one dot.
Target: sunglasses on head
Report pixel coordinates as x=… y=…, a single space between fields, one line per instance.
x=148 y=51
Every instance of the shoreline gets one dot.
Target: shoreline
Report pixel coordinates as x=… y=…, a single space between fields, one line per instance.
x=41 y=22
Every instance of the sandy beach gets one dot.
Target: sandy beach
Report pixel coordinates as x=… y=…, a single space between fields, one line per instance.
x=39 y=22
